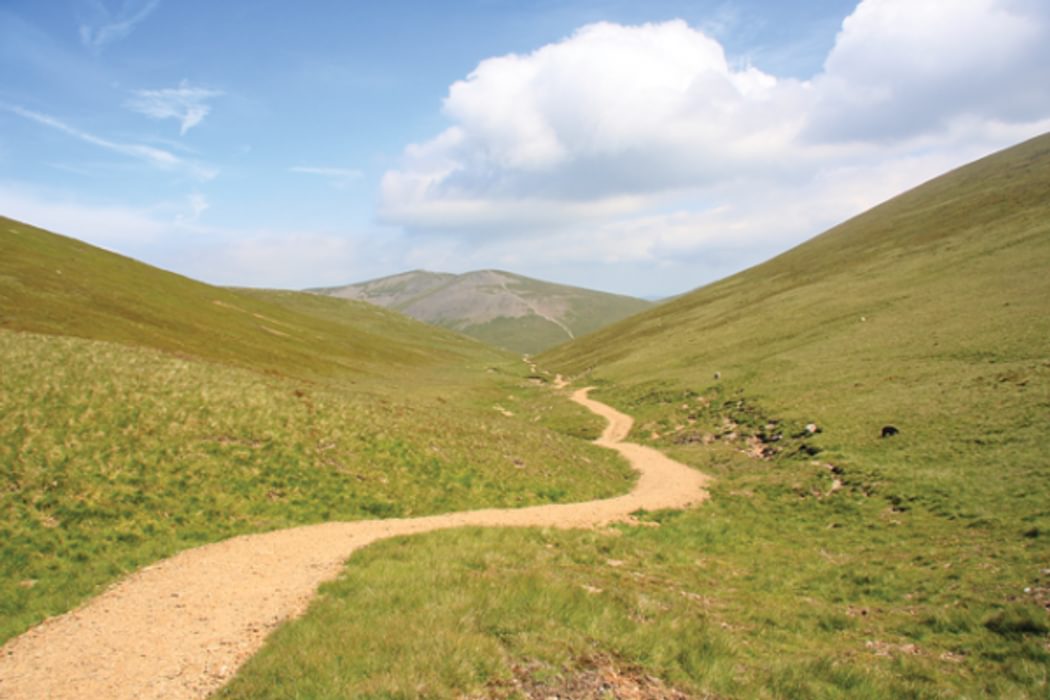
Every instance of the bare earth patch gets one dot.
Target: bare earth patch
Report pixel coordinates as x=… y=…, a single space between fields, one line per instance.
x=182 y=627
x=600 y=677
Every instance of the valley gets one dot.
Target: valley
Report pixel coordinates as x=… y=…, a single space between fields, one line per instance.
x=145 y=414
x=831 y=563
x=163 y=420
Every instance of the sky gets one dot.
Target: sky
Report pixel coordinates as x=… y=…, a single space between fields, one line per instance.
x=644 y=148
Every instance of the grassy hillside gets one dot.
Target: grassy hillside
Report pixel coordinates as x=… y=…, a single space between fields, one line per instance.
x=930 y=313
x=146 y=413
x=57 y=285
x=830 y=562
x=509 y=311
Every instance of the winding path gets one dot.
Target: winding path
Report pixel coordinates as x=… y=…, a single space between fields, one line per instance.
x=180 y=628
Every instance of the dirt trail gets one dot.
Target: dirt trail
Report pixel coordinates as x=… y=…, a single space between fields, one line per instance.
x=180 y=628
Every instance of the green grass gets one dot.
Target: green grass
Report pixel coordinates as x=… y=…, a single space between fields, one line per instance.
x=923 y=573
x=142 y=413
x=719 y=601
x=112 y=457
x=526 y=334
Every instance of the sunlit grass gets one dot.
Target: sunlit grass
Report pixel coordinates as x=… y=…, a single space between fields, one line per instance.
x=113 y=457
x=760 y=593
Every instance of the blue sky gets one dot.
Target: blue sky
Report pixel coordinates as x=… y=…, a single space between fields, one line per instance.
x=645 y=148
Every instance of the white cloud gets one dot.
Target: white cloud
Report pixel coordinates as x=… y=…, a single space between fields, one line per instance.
x=130 y=229
x=288 y=260
x=156 y=157
x=106 y=225
x=647 y=142
x=900 y=68
x=109 y=26
x=610 y=111
x=185 y=103
x=741 y=223
x=169 y=234
x=196 y=204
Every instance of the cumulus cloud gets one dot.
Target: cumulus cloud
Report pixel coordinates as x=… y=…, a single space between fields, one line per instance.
x=186 y=104
x=650 y=139
x=107 y=26
x=900 y=68
x=609 y=113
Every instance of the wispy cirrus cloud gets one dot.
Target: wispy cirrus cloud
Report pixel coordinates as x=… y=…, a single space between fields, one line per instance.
x=186 y=103
x=340 y=178
x=156 y=157
x=108 y=26
x=196 y=204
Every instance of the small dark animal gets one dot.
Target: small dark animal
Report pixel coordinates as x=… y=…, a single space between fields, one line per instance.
x=889 y=431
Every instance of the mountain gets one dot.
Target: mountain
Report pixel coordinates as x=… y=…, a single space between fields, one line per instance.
x=500 y=308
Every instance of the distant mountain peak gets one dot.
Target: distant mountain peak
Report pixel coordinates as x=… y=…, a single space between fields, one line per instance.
x=499 y=307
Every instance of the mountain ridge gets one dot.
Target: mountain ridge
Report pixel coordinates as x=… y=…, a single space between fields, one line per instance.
x=502 y=308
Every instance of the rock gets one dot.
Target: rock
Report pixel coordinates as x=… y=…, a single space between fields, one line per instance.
x=691 y=437
x=809 y=450
x=809 y=430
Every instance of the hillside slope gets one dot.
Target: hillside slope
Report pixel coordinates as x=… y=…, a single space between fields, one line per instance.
x=142 y=413
x=952 y=267
x=500 y=308
x=930 y=312
x=57 y=285
x=908 y=525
